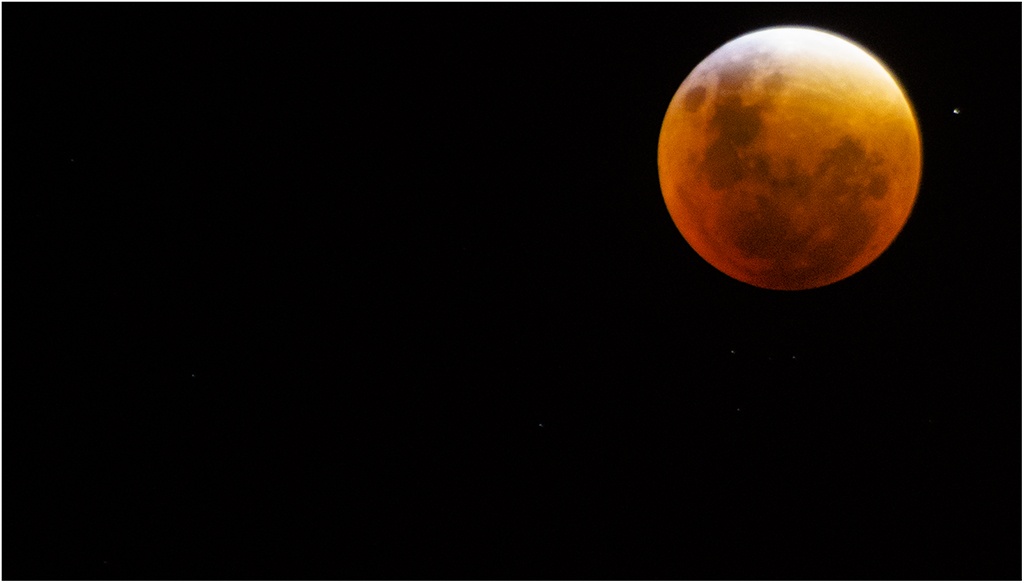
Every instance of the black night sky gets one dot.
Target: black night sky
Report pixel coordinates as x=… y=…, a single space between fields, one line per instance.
x=389 y=291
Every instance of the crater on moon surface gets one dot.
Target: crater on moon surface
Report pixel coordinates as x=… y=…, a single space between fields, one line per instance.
x=695 y=98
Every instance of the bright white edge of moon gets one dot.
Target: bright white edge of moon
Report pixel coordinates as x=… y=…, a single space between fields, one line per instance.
x=810 y=44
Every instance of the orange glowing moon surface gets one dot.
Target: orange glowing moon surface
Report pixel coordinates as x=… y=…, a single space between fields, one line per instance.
x=790 y=158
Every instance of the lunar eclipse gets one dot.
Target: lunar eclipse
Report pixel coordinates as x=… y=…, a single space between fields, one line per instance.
x=790 y=158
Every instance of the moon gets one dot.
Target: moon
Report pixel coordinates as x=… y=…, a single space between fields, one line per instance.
x=790 y=158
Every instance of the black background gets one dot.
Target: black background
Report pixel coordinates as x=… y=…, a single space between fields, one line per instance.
x=390 y=291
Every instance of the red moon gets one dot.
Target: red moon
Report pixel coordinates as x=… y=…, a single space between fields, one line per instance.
x=790 y=158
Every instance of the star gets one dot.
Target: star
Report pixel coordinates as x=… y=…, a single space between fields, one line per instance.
x=956 y=111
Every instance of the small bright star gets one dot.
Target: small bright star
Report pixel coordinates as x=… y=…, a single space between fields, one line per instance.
x=956 y=110
x=540 y=425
